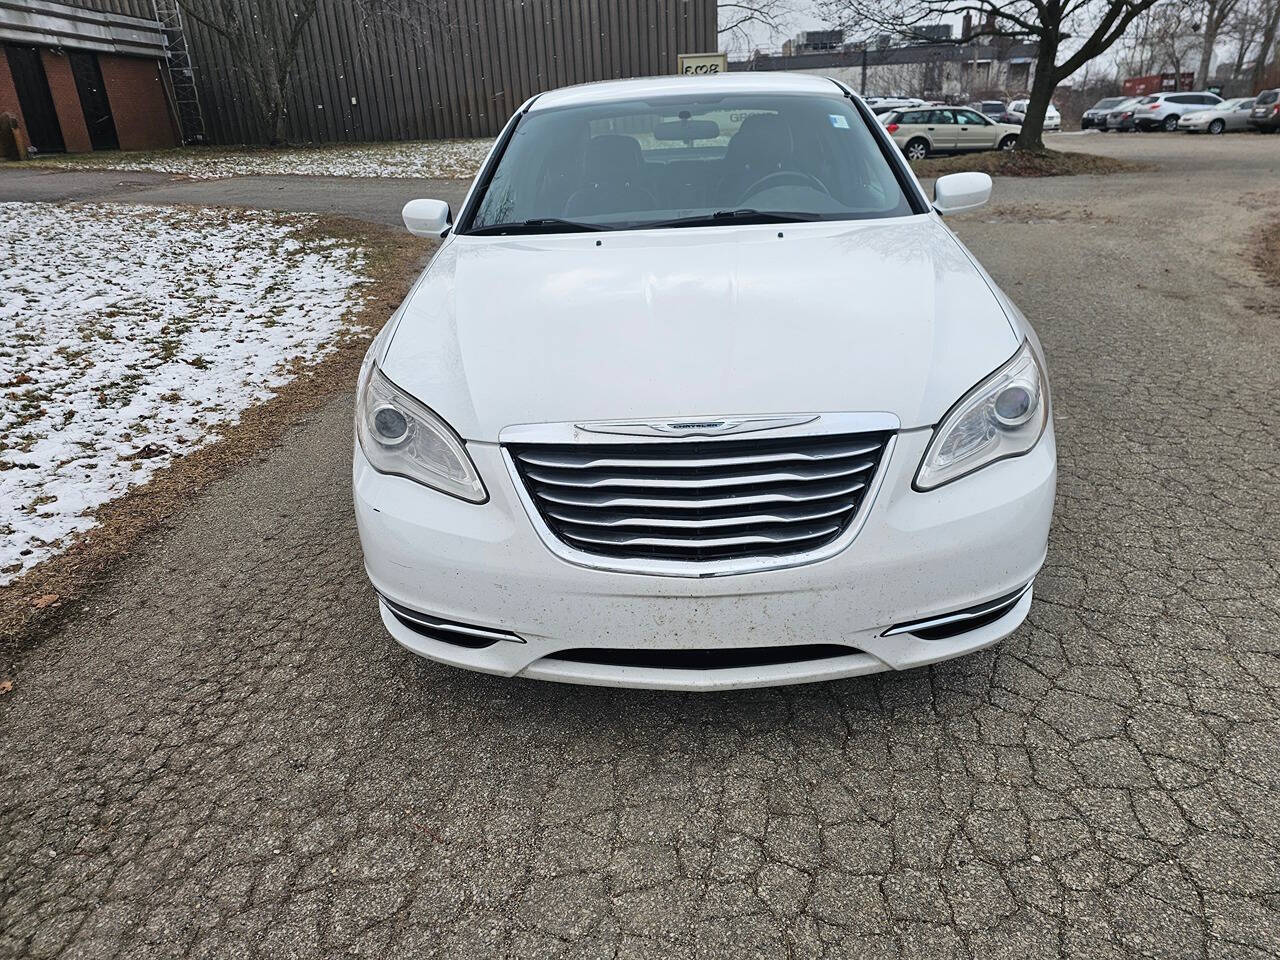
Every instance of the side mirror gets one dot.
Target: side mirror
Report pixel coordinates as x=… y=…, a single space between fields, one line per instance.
x=957 y=192
x=426 y=218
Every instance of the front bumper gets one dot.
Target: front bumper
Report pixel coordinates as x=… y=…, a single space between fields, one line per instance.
x=917 y=555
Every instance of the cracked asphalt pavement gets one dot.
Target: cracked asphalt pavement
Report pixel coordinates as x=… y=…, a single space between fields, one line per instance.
x=220 y=753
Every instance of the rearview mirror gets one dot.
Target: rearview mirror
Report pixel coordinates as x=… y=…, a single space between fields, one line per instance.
x=426 y=218
x=957 y=192
x=686 y=130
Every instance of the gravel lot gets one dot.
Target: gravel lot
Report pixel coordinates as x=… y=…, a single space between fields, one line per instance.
x=221 y=754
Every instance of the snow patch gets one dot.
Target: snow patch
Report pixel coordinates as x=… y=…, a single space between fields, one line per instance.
x=431 y=159
x=129 y=335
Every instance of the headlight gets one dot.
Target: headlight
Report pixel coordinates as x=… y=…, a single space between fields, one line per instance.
x=401 y=436
x=1001 y=417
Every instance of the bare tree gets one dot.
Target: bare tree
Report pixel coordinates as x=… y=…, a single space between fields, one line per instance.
x=1242 y=31
x=742 y=22
x=1166 y=37
x=1216 y=13
x=1266 y=43
x=264 y=37
x=1068 y=34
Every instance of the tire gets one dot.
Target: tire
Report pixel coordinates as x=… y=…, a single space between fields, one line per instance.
x=1009 y=143
x=1170 y=124
x=917 y=149
x=1218 y=126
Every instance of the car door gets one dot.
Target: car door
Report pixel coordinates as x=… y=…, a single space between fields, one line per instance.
x=1182 y=104
x=974 y=131
x=1238 y=119
x=942 y=129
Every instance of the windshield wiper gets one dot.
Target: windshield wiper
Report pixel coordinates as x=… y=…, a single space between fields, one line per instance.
x=538 y=225
x=745 y=215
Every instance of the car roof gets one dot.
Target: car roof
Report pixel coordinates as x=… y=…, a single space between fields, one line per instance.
x=605 y=91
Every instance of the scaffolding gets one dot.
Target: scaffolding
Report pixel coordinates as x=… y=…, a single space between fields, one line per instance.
x=182 y=75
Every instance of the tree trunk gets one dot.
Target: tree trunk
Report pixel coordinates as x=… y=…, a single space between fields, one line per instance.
x=1268 y=44
x=275 y=110
x=1032 y=135
x=1206 y=47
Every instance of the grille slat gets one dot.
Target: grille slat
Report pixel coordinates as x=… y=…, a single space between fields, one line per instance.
x=810 y=493
x=700 y=500
x=603 y=519
x=755 y=538
x=693 y=479
x=595 y=462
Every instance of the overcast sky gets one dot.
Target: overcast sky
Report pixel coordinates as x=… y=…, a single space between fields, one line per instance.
x=804 y=18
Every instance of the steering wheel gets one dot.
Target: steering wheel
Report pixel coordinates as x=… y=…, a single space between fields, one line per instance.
x=778 y=177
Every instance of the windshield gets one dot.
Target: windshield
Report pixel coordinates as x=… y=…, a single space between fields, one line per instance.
x=680 y=161
x=1108 y=102
x=1268 y=96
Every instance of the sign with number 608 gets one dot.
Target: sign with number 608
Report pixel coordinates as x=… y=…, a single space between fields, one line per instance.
x=700 y=64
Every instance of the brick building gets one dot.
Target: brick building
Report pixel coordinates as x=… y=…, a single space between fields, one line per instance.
x=80 y=79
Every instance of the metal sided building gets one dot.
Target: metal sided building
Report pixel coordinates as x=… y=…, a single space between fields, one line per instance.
x=363 y=71
x=448 y=68
x=80 y=79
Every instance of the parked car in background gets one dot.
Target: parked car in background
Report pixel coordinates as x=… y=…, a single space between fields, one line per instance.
x=996 y=110
x=650 y=478
x=882 y=105
x=1265 y=115
x=947 y=130
x=1162 y=111
x=1096 y=116
x=1018 y=113
x=1228 y=115
x=1121 y=118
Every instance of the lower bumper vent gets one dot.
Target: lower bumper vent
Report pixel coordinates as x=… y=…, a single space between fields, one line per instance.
x=447 y=631
x=961 y=621
x=726 y=659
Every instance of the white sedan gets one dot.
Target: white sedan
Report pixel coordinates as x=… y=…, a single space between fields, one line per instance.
x=1052 y=118
x=700 y=392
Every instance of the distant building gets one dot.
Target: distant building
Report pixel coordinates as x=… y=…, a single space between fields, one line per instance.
x=1158 y=83
x=933 y=70
x=817 y=41
x=936 y=33
x=80 y=80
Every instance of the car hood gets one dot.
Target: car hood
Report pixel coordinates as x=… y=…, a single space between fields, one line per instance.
x=868 y=316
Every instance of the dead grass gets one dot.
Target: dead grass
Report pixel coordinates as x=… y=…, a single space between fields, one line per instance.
x=32 y=604
x=1266 y=254
x=1024 y=163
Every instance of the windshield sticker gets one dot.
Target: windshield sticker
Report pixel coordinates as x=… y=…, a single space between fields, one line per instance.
x=841 y=122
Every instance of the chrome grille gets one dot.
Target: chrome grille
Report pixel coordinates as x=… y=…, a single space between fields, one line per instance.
x=700 y=500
